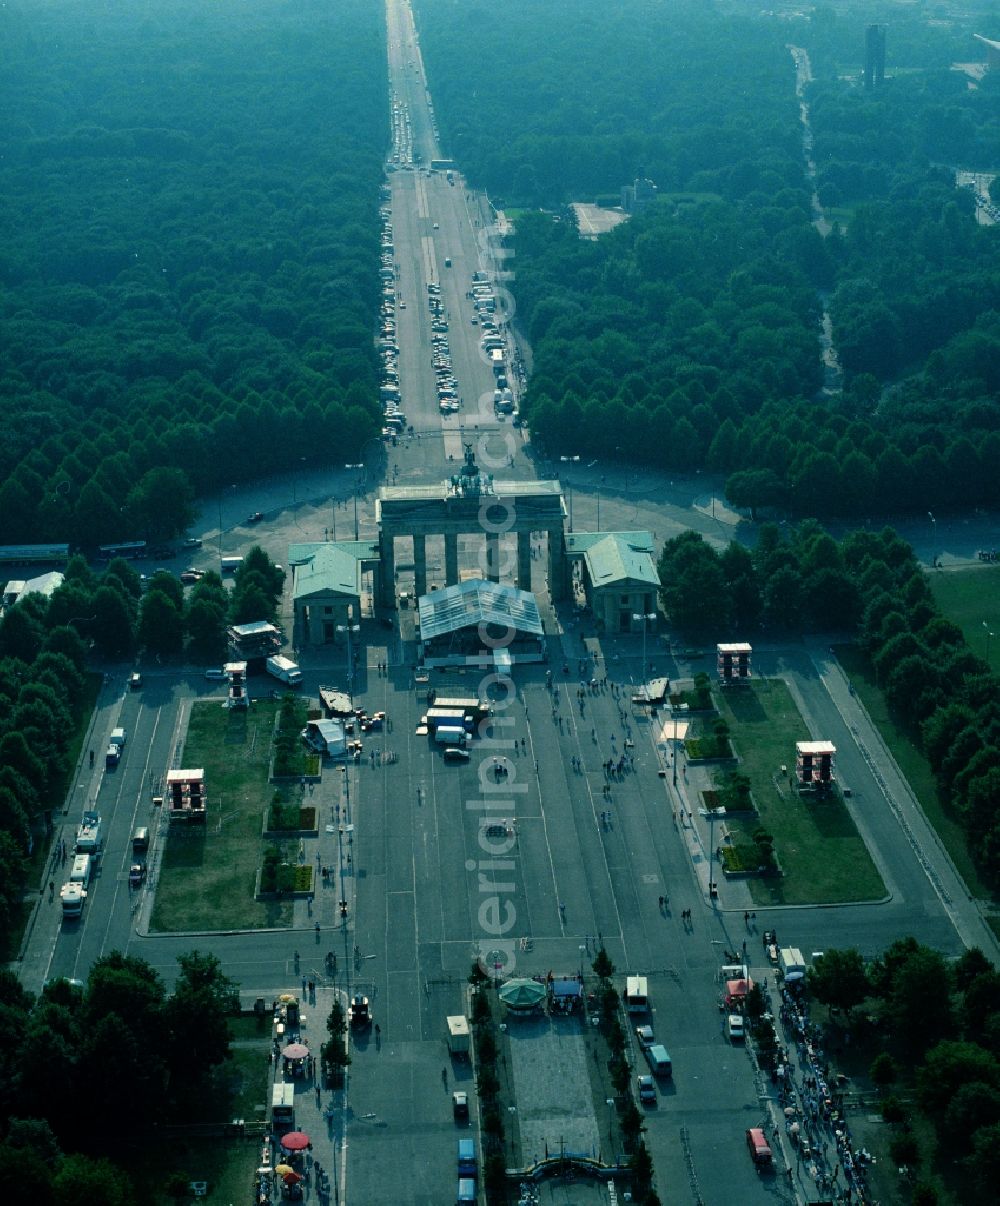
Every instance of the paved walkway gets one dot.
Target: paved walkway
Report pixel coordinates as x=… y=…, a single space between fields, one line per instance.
x=320 y=1113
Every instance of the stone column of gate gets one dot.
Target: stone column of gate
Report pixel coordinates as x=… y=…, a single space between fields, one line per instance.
x=524 y=560
x=493 y=556
x=420 y=565
x=387 y=576
x=557 y=565
x=451 y=558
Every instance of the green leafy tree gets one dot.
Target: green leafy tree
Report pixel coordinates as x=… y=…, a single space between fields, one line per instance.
x=112 y=628
x=22 y=1175
x=884 y=1070
x=949 y=1066
x=17 y=755
x=641 y=1164
x=604 y=969
x=161 y=625
x=162 y=503
x=21 y=636
x=975 y=1105
x=919 y=1001
x=206 y=627
x=83 y=1181
x=196 y=1020
x=125 y=576
x=984 y=1163
x=631 y=1122
x=336 y=1022
x=839 y=979
x=691 y=583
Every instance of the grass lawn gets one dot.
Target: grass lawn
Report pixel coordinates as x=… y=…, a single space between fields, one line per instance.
x=206 y=879
x=819 y=849
x=970 y=598
x=226 y=1164
x=914 y=766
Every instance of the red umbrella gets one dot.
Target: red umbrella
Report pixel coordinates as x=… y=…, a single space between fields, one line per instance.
x=291 y=1178
x=295 y=1141
x=295 y=1051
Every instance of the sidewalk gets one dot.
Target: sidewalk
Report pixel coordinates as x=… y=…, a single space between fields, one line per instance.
x=319 y=1113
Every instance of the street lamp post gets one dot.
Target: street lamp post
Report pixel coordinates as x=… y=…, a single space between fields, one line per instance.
x=360 y=467
x=989 y=637
x=673 y=717
x=646 y=618
x=348 y=629
x=221 y=495
x=571 y=458
x=930 y=516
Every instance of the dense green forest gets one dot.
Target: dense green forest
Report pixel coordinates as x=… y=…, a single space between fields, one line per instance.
x=594 y=95
x=96 y=1068
x=188 y=275
x=689 y=336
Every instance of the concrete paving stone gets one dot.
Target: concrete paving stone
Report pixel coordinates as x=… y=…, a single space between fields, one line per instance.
x=555 y=1105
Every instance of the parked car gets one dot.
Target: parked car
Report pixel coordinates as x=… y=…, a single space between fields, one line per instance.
x=645 y=1036
x=460 y=1106
x=135 y=682
x=256 y=517
x=216 y=676
x=647 y=1090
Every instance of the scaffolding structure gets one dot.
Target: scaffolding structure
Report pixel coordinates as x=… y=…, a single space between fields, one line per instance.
x=733 y=663
x=814 y=765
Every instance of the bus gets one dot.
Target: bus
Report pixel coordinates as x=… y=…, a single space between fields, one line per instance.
x=30 y=554
x=230 y=565
x=465 y=704
x=128 y=548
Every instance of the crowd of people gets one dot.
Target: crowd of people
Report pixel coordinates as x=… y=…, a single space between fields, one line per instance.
x=815 y=1121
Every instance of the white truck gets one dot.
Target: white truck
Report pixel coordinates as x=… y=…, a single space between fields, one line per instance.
x=636 y=994
x=285 y=671
x=89 y=834
x=791 y=964
x=72 y=897
x=448 y=734
x=81 y=870
x=458 y=1034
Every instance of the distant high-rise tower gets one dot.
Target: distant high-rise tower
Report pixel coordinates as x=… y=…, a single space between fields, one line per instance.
x=874 y=55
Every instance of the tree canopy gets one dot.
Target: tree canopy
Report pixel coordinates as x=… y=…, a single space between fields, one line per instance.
x=190 y=267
